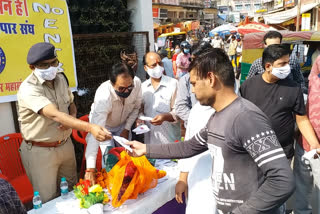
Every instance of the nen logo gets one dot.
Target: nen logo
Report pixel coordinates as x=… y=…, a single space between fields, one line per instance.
x=2 y=60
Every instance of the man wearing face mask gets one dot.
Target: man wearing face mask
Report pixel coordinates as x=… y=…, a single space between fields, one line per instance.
x=47 y=116
x=249 y=169
x=116 y=107
x=270 y=38
x=280 y=99
x=217 y=42
x=183 y=61
x=159 y=94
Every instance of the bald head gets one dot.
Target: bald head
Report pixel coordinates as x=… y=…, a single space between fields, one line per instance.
x=151 y=59
x=150 y=56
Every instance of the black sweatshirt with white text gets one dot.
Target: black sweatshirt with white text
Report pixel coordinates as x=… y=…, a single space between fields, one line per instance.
x=250 y=172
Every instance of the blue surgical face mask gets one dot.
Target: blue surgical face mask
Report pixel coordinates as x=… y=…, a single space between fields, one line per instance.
x=186 y=51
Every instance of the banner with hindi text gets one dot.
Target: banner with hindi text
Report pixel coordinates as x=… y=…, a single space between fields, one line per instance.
x=24 y=23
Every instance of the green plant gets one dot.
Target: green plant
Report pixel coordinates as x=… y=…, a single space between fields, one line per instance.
x=110 y=15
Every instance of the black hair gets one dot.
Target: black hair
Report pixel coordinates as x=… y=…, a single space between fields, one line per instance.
x=233 y=37
x=272 y=35
x=214 y=60
x=274 y=52
x=144 y=59
x=194 y=47
x=205 y=45
x=202 y=48
x=120 y=68
x=163 y=53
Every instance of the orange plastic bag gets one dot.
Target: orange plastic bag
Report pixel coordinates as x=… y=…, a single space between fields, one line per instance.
x=131 y=176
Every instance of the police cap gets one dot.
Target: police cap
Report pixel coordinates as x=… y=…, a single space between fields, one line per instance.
x=41 y=51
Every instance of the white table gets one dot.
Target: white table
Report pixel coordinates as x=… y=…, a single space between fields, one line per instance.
x=147 y=202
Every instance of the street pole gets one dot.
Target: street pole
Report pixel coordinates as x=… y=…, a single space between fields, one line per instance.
x=298 y=15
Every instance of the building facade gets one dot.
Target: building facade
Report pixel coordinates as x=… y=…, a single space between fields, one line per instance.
x=246 y=7
x=173 y=11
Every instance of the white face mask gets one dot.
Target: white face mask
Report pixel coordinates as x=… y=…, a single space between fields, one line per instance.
x=155 y=72
x=177 y=50
x=281 y=72
x=47 y=74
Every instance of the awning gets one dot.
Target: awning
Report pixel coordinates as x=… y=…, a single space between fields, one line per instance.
x=222 y=16
x=253 y=27
x=277 y=18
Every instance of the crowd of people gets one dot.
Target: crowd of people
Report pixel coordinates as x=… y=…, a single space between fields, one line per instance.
x=238 y=147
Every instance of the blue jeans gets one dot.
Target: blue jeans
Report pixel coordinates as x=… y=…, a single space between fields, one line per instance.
x=307 y=175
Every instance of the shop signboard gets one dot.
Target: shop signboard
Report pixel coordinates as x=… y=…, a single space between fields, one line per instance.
x=24 y=23
x=278 y=4
x=306 y=22
x=289 y=3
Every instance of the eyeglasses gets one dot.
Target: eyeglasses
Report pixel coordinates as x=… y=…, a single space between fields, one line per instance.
x=155 y=64
x=55 y=63
x=123 y=89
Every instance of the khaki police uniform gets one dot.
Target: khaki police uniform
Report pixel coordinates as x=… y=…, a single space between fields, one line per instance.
x=47 y=152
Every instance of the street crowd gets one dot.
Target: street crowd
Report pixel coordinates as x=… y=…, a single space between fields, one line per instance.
x=238 y=144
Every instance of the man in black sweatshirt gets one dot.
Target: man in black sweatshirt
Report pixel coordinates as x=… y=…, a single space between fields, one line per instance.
x=280 y=98
x=250 y=173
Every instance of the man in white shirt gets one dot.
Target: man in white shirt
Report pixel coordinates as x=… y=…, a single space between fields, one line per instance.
x=195 y=172
x=217 y=42
x=116 y=106
x=158 y=94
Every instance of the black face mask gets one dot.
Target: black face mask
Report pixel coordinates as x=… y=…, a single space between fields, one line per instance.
x=123 y=94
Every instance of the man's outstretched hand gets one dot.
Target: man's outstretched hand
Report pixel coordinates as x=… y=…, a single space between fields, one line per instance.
x=100 y=133
x=138 y=149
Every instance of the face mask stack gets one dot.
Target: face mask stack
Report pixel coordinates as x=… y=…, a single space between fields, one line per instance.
x=155 y=72
x=47 y=74
x=281 y=72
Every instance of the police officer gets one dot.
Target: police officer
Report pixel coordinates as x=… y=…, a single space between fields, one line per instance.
x=47 y=115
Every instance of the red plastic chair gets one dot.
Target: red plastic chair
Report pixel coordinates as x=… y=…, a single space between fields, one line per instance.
x=12 y=168
x=80 y=137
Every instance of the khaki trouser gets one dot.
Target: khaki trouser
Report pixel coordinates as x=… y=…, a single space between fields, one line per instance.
x=45 y=167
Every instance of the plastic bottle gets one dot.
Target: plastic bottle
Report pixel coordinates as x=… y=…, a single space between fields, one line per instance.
x=64 y=188
x=37 y=203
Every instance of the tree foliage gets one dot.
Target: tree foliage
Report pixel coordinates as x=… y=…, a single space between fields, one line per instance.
x=98 y=16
